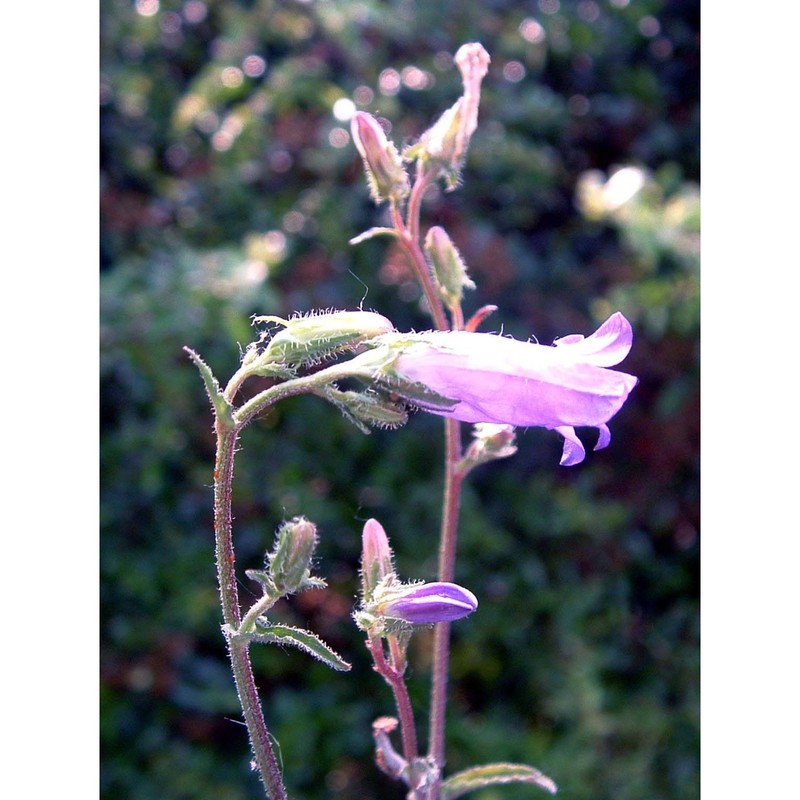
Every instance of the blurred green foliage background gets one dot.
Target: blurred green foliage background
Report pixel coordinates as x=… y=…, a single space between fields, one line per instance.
x=230 y=186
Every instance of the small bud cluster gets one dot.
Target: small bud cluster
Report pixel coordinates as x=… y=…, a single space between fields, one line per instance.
x=390 y=606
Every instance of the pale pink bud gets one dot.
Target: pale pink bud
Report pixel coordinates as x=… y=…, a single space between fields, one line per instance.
x=386 y=175
x=376 y=557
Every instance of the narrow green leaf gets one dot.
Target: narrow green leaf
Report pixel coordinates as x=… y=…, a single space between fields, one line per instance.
x=492 y=774
x=269 y=633
x=218 y=402
x=362 y=237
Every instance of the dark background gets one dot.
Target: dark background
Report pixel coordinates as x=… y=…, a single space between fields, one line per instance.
x=228 y=188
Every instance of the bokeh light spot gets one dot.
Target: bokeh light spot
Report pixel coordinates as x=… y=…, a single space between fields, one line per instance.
x=661 y=48
x=363 y=95
x=293 y=221
x=170 y=22
x=222 y=140
x=339 y=137
x=343 y=109
x=588 y=11
x=147 y=8
x=549 y=6
x=531 y=31
x=416 y=78
x=514 y=71
x=389 y=81
x=649 y=26
x=207 y=121
x=194 y=11
x=578 y=105
x=176 y=156
x=231 y=77
x=280 y=161
x=443 y=60
x=254 y=66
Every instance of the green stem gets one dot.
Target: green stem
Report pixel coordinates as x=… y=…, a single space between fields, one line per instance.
x=256 y=610
x=290 y=388
x=227 y=435
x=254 y=718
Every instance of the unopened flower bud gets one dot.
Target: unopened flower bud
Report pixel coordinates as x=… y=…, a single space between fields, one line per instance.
x=386 y=757
x=376 y=558
x=441 y=141
x=368 y=409
x=448 y=266
x=473 y=62
x=491 y=441
x=427 y=603
x=290 y=559
x=382 y=162
x=444 y=146
x=311 y=338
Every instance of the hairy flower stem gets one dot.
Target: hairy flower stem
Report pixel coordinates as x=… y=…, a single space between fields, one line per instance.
x=410 y=244
x=409 y=237
x=238 y=650
x=254 y=718
x=228 y=430
x=394 y=677
x=447 y=559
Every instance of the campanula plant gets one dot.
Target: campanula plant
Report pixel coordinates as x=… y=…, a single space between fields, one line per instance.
x=374 y=375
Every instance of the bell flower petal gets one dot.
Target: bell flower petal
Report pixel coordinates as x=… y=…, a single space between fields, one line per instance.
x=607 y=346
x=505 y=381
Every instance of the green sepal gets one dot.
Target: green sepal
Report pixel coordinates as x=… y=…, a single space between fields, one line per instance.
x=222 y=408
x=367 y=409
x=376 y=367
x=270 y=633
x=492 y=775
x=418 y=394
x=273 y=369
x=264 y=579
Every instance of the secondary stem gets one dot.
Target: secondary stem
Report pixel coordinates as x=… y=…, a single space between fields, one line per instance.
x=447 y=559
x=394 y=678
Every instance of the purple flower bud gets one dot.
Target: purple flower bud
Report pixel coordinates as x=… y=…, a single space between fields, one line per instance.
x=427 y=603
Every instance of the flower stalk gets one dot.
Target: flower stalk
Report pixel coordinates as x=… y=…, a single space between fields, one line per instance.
x=238 y=650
